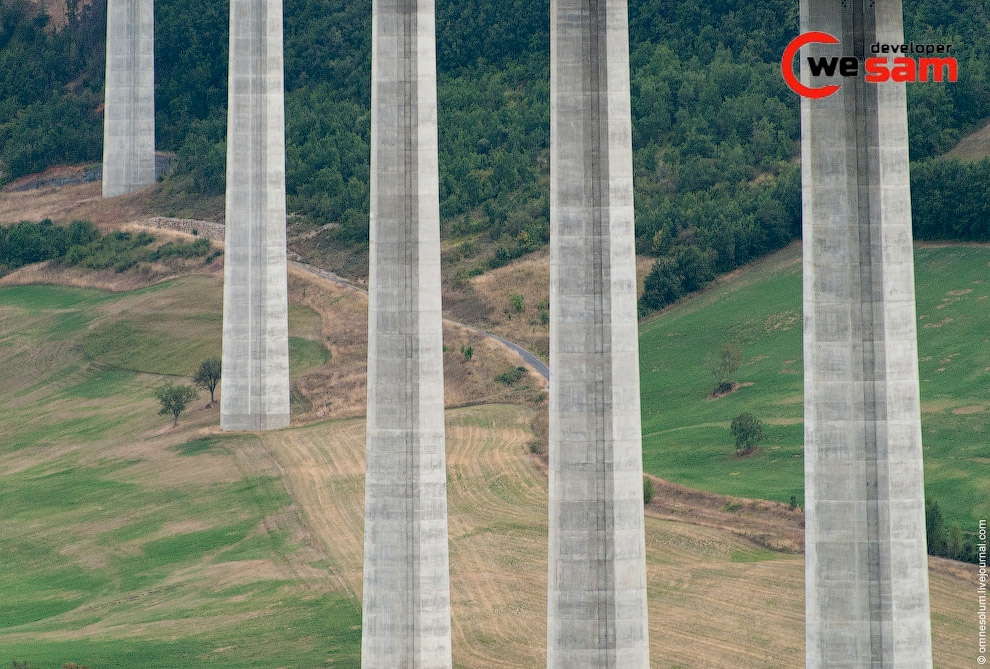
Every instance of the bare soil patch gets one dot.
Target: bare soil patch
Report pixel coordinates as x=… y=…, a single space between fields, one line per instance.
x=56 y=9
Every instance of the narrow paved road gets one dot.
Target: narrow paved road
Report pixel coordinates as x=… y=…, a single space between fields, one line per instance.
x=530 y=359
x=215 y=231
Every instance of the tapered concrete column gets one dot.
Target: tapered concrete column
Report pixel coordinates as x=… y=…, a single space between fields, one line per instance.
x=597 y=614
x=255 y=377
x=866 y=563
x=129 y=97
x=406 y=617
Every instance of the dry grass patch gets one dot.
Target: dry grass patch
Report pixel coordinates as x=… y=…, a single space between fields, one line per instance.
x=469 y=381
x=322 y=467
x=224 y=575
x=339 y=389
x=141 y=276
x=784 y=421
x=973 y=147
x=718 y=596
x=76 y=277
x=69 y=203
x=973 y=408
x=85 y=202
x=492 y=300
x=769 y=524
x=937 y=406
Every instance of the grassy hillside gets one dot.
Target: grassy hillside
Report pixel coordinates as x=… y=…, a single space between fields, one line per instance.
x=686 y=436
x=129 y=543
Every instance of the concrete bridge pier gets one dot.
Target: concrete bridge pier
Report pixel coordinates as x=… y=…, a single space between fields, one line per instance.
x=255 y=377
x=406 y=608
x=129 y=97
x=866 y=562
x=597 y=611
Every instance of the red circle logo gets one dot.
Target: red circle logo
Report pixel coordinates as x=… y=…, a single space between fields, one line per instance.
x=787 y=65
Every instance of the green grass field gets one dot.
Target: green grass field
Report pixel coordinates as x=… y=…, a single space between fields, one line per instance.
x=148 y=561
x=128 y=544
x=686 y=436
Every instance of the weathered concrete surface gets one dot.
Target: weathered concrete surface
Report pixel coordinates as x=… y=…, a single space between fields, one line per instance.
x=255 y=381
x=406 y=617
x=129 y=97
x=866 y=563
x=597 y=615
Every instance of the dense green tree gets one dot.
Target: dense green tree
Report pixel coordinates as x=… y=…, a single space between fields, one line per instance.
x=948 y=200
x=947 y=540
x=935 y=528
x=174 y=400
x=25 y=242
x=748 y=431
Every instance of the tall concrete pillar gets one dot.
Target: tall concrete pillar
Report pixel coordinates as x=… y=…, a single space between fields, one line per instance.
x=255 y=377
x=406 y=617
x=597 y=613
x=129 y=97
x=866 y=563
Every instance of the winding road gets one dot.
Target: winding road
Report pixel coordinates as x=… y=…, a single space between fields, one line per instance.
x=215 y=231
x=528 y=356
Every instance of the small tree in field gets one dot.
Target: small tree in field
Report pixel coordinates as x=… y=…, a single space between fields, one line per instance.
x=723 y=365
x=748 y=431
x=174 y=400
x=208 y=376
x=648 y=490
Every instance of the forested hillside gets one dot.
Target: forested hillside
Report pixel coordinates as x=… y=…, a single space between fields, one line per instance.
x=51 y=88
x=715 y=129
